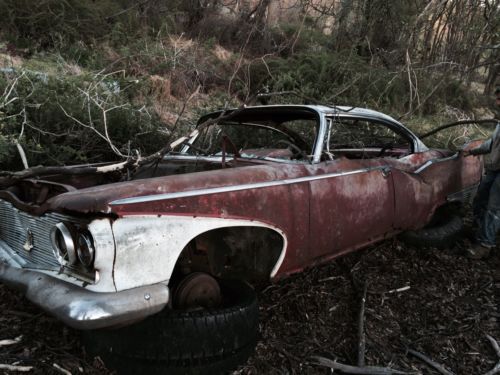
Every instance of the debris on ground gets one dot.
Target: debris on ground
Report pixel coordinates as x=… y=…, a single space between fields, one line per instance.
x=437 y=303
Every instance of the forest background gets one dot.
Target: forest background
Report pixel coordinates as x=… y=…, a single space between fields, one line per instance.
x=145 y=70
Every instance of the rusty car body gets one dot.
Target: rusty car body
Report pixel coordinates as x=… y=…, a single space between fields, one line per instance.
x=259 y=195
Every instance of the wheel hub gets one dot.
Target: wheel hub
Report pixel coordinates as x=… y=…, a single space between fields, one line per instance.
x=197 y=290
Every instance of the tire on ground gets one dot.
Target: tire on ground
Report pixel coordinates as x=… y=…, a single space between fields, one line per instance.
x=176 y=341
x=442 y=232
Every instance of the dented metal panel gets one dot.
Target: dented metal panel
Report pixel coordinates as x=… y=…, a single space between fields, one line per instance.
x=347 y=209
x=163 y=238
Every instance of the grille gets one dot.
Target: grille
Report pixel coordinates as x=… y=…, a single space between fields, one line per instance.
x=14 y=227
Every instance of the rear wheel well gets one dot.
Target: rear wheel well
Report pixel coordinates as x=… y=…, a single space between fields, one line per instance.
x=246 y=253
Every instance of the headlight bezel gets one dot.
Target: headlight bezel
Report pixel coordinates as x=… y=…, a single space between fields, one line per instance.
x=72 y=245
x=63 y=244
x=85 y=243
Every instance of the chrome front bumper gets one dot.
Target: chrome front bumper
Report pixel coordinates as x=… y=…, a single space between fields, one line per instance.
x=81 y=308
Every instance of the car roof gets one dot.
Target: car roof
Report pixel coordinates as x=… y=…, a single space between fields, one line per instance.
x=299 y=110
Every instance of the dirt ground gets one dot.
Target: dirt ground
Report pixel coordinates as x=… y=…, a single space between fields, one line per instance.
x=446 y=307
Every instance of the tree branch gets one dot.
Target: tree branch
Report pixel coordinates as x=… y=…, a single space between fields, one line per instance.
x=371 y=370
x=430 y=362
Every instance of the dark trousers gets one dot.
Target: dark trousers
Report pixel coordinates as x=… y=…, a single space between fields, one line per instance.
x=486 y=208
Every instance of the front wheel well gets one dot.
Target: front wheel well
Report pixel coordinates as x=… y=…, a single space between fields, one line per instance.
x=244 y=252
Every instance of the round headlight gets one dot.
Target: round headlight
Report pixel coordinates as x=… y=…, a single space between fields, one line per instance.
x=85 y=249
x=63 y=244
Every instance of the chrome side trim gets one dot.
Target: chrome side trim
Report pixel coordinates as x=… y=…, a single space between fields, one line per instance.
x=83 y=309
x=226 y=189
x=428 y=163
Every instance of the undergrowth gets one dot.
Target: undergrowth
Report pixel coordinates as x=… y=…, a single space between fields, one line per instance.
x=62 y=58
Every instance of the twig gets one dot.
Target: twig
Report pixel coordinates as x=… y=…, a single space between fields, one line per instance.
x=403 y=289
x=127 y=9
x=60 y=369
x=240 y=60
x=496 y=348
x=22 y=154
x=184 y=105
x=8 y=90
x=7 y=342
x=16 y=368
x=371 y=370
x=494 y=343
x=430 y=362
x=361 y=328
x=8 y=178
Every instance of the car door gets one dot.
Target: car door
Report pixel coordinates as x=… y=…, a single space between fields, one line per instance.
x=352 y=204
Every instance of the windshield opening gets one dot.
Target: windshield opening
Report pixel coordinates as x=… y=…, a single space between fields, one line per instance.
x=288 y=140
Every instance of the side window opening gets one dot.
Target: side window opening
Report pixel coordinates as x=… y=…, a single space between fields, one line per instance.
x=364 y=139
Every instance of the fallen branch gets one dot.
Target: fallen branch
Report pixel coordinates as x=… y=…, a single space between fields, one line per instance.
x=496 y=348
x=16 y=368
x=7 y=342
x=371 y=370
x=8 y=178
x=403 y=289
x=494 y=343
x=436 y=366
x=60 y=369
x=361 y=328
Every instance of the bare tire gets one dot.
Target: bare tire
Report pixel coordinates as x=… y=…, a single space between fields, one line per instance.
x=208 y=341
x=443 y=231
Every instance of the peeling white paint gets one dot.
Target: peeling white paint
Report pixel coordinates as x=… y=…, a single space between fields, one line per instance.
x=104 y=245
x=147 y=247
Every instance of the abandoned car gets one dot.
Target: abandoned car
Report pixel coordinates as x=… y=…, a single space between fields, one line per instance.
x=251 y=196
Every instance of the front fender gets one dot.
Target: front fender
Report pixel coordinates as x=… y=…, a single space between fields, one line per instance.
x=147 y=247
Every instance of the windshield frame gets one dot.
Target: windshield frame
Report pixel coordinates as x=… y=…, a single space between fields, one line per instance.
x=294 y=112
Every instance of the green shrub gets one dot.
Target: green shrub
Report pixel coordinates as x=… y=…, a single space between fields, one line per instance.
x=51 y=137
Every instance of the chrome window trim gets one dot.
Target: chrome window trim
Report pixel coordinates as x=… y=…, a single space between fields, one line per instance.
x=318 y=147
x=226 y=189
x=218 y=159
x=428 y=163
x=417 y=144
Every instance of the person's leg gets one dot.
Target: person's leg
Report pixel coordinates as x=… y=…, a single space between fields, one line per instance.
x=480 y=203
x=489 y=221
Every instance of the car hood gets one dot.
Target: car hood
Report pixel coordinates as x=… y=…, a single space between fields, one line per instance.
x=98 y=199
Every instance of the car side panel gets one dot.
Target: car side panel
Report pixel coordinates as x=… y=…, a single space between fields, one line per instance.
x=352 y=209
x=418 y=192
x=284 y=206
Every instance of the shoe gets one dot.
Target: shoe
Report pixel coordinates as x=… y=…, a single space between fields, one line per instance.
x=478 y=251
